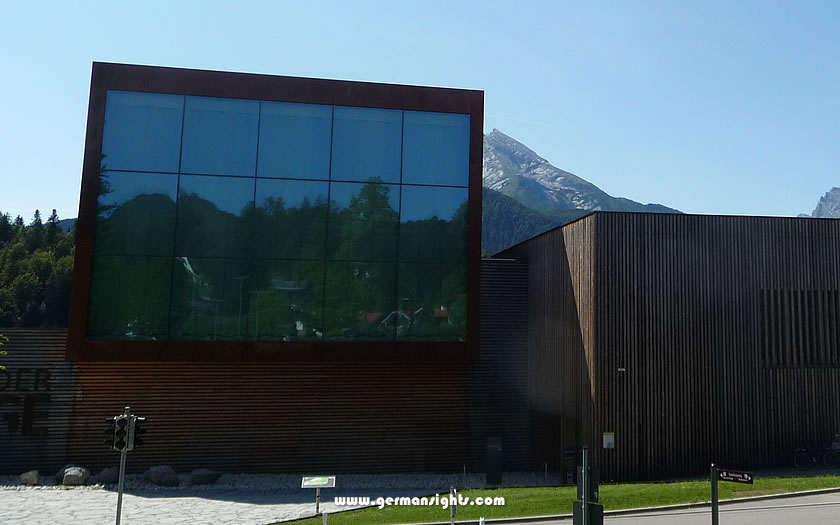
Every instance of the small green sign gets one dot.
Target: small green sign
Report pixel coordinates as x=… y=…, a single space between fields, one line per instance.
x=317 y=482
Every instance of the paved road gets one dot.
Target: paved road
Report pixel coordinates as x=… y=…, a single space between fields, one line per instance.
x=810 y=510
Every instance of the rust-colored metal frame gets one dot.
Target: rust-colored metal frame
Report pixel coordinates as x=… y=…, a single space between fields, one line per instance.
x=107 y=76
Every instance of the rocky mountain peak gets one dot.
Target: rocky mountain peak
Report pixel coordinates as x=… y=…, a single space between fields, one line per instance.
x=829 y=205
x=515 y=170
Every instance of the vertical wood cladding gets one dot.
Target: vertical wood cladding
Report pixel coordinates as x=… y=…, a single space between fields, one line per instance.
x=679 y=302
x=499 y=391
x=668 y=333
x=561 y=385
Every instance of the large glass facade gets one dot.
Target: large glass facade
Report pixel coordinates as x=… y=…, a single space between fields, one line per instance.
x=232 y=219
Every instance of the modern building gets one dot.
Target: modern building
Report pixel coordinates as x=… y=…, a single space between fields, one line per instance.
x=284 y=274
x=665 y=342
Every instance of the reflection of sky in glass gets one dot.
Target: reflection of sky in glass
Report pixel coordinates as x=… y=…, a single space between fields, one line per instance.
x=126 y=186
x=293 y=192
x=142 y=131
x=366 y=143
x=220 y=136
x=425 y=202
x=295 y=140
x=343 y=192
x=436 y=148
x=226 y=193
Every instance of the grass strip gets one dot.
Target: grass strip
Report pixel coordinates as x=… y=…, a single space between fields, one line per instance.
x=543 y=501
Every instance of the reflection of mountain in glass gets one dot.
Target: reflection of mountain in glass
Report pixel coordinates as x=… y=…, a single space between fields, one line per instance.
x=284 y=266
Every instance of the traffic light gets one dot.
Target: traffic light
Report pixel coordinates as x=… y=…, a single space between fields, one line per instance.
x=136 y=430
x=121 y=433
x=110 y=431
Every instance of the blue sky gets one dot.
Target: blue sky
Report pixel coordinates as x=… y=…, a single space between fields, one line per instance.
x=709 y=107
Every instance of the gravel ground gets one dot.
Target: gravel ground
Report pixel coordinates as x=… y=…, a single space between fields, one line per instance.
x=434 y=482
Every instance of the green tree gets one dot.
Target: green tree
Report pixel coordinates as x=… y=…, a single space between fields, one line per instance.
x=34 y=235
x=6 y=229
x=51 y=230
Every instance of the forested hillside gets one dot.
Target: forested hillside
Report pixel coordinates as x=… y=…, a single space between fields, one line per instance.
x=505 y=222
x=36 y=270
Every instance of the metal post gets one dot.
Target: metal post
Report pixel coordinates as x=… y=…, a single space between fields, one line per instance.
x=584 y=475
x=714 y=479
x=324 y=517
x=123 y=454
x=452 y=506
x=317 y=500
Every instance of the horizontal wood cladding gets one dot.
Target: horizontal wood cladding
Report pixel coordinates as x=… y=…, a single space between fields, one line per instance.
x=37 y=395
x=256 y=417
x=499 y=392
x=296 y=417
x=680 y=327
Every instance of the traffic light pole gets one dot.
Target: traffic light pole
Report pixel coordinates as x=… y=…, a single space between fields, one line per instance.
x=123 y=454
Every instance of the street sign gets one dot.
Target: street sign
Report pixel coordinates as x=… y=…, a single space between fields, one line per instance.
x=735 y=475
x=318 y=482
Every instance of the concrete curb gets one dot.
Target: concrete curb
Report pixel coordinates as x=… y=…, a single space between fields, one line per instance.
x=642 y=510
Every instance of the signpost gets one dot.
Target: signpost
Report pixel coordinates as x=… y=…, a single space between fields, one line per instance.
x=587 y=511
x=317 y=483
x=717 y=473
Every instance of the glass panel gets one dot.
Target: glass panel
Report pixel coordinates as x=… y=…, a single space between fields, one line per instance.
x=286 y=301
x=366 y=144
x=220 y=136
x=142 y=131
x=432 y=302
x=136 y=213
x=360 y=303
x=436 y=148
x=433 y=224
x=129 y=297
x=295 y=140
x=452 y=313
x=363 y=222
x=291 y=219
x=211 y=299
x=215 y=216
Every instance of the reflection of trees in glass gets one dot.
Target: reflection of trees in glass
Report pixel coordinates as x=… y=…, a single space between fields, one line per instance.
x=290 y=232
x=259 y=273
x=366 y=229
x=205 y=230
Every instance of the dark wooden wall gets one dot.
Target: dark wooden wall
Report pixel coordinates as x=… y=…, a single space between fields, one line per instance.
x=561 y=341
x=253 y=417
x=37 y=395
x=658 y=328
x=679 y=306
x=499 y=378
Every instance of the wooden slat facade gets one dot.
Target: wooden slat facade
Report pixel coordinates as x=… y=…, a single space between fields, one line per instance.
x=348 y=416
x=668 y=336
x=499 y=378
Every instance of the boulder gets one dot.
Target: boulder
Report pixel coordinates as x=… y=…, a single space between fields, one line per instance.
x=60 y=474
x=203 y=476
x=75 y=476
x=29 y=478
x=108 y=476
x=162 y=475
